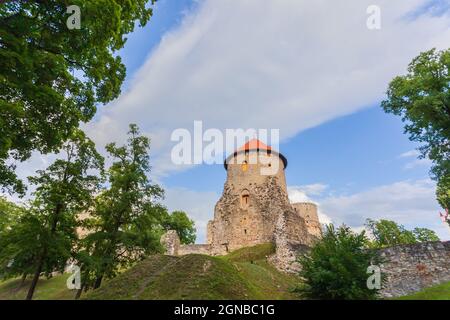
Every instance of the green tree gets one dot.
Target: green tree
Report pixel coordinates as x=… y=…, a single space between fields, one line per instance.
x=422 y=99
x=13 y=261
x=52 y=78
x=63 y=190
x=180 y=222
x=127 y=217
x=336 y=267
x=425 y=235
x=9 y=214
x=388 y=233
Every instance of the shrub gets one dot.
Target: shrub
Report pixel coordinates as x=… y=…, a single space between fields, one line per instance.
x=336 y=267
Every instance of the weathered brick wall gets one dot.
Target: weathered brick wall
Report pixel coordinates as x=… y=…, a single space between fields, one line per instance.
x=410 y=268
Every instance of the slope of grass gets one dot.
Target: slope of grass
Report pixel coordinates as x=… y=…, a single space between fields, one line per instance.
x=243 y=274
x=440 y=292
x=47 y=289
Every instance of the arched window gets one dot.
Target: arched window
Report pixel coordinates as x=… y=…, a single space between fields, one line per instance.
x=244 y=166
x=245 y=199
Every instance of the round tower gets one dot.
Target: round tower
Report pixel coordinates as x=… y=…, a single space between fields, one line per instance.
x=254 y=197
x=253 y=163
x=308 y=211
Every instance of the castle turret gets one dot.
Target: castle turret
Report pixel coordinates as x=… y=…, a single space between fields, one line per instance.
x=308 y=211
x=254 y=198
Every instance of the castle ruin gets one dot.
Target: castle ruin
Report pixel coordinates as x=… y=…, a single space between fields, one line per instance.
x=254 y=209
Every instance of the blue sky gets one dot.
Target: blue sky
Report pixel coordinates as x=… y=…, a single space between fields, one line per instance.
x=348 y=159
x=314 y=71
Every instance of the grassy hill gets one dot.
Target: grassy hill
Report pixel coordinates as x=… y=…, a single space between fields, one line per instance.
x=243 y=274
x=47 y=289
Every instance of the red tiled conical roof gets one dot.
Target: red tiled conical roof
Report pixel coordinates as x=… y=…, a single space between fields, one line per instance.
x=254 y=144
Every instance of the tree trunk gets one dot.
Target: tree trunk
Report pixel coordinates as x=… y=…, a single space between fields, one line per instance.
x=79 y=291
x=35 y=279
x=98 y=282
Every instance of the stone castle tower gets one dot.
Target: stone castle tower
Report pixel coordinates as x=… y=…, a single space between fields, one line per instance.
x=253 y=200
x=254 y=207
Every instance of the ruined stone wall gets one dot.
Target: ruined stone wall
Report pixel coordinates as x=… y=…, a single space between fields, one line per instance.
x=407 y=268
x=308 y=211
x=171 y=242
x=291 y=240
x=411 y=268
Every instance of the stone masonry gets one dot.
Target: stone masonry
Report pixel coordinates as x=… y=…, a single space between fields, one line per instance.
x=411 y=268
x=254 y=208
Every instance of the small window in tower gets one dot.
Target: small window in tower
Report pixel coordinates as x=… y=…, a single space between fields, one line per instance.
x=245 y=231
x=245 y=199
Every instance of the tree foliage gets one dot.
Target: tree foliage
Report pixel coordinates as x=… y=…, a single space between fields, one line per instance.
x=180 y=222
x=336 y=267
x=51 y=78
x=422 y=99
x=127 y=216
x=9 y=214
x=388 y=233
x=46 y=235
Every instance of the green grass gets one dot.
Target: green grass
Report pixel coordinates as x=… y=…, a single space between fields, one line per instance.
x=243 y=274
x=47 y=289
x=440 y=292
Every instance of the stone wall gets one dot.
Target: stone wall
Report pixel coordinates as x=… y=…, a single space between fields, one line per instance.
x=288 y=248
x=410 y=268
x=171 y=243
x=194 y=249
x=407 y=268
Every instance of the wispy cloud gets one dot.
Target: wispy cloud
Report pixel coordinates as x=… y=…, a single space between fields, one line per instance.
x=411 y=203
x=268 y=64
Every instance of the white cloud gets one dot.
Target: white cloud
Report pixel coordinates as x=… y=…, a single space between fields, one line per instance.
x=411 y=203
x=410 y=154
x=418 y=163
x=304 y=194
x=268 y=64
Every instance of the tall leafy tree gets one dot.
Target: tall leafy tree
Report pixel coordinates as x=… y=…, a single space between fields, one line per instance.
x=422 y=99
x=63 y=190
x=51 y=77
x=127 y=216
